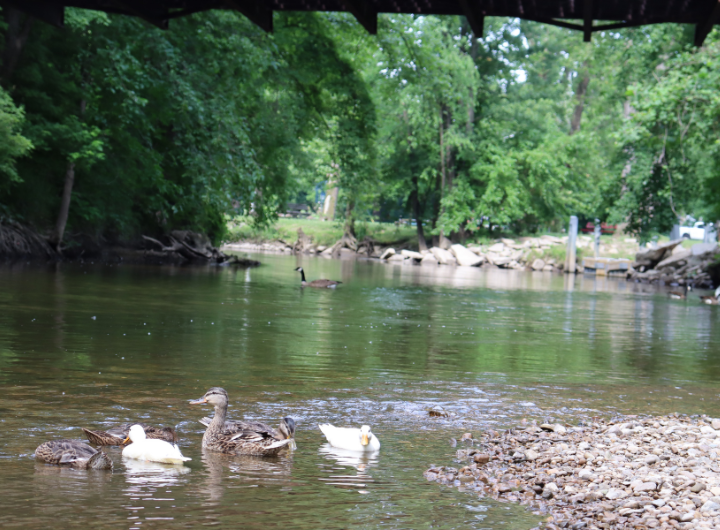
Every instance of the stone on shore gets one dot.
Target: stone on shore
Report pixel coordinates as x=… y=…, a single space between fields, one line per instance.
x=443 y=256
x=538 y=265
x=464 y=257
x=429 y=259
x=387 y=253
x=411 y=254
x=396 y=258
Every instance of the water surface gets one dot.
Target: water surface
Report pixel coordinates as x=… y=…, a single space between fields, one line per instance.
x=90 y=345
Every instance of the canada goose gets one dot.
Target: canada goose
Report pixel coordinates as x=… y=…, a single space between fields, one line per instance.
x=710 y=299
x=323 y=284
x=258 y=439
x=73 y=453
x=349 y=438
x=151 y=450
x=680 y=295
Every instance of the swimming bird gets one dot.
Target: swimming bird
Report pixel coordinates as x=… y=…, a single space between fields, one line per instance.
x=73 y=453
x=322 y=284
x=151 y=450
x=351 y=438
x=712 y=299
x=118 y=434
x=256 y=439
x=286 y=430
x=680 y=295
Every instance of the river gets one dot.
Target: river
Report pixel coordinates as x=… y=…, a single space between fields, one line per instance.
x=92 y=345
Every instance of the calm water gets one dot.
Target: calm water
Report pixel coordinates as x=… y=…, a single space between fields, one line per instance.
x=94 y=345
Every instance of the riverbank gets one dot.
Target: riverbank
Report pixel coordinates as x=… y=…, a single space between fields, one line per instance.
x=632 y=472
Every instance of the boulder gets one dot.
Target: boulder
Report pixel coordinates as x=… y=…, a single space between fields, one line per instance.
x=501 y=261
x=497 y=247
x=411 y=254
x=429 y=259
x=537 y=264
x=548 y=268
x=396 y=258
x=552 y=239
x=387 y=253
x=649 y=257
x=676 y=259
x=476 y=250
x=701 y=248
x=508 y=242
x=443 y=256
x=464 y=257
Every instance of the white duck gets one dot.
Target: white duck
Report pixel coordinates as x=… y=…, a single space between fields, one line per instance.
x=351 y=439
x=143 y=448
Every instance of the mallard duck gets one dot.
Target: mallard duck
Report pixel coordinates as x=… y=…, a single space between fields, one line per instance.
x=119 y=433
x=680 y=295
x=151 y=450
x=257 y=439
x=712 y=299
x=286 y=430
x=73 y=453
x=350 y=438
x=322 y=284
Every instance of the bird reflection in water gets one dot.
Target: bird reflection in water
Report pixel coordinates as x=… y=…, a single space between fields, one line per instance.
x=362 y=462
x=244 y=471
x=142 y=473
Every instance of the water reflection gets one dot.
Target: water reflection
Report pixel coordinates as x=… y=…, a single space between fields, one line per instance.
x=142 y=473
x=362 y=462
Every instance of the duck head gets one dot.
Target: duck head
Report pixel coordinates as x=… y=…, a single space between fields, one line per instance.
x=136 y=434
x=365 y=435
x=216 y=396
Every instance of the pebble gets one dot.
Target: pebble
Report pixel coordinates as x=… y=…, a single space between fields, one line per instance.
x=630 y=472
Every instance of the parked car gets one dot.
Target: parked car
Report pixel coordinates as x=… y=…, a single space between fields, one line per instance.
x=696 y=231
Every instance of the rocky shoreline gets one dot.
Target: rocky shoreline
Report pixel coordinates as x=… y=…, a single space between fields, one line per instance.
x=650 y=472
x=672 y=264
x=523 y=254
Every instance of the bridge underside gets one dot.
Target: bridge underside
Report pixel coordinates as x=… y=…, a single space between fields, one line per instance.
x=586 y=16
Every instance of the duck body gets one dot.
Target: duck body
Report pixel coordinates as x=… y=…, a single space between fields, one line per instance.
x=352 y=439
x=236 y=437
x=680 y=295
x=711 y=299
x=320 y=284
x=118 y=434
x=286 y=430
x=72 y=453
x=152 y=450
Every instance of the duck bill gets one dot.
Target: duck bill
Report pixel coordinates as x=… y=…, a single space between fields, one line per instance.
x=198 y=401
x=126 y=440
x=365 y=440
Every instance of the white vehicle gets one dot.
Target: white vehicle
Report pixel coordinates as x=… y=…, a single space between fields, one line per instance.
x=696 y=231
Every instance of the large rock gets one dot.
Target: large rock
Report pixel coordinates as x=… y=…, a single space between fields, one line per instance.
x=552 y=239
x=411 y=254
x=429 y=259
x=497 y=247
x=388 y=252
x=676 y=259
x=396 y=258
x=508 y=242
x=649 y=257
x=538 y=265
x=501 y=261
x=443 y=256
x=464 y=257
x=701 y=248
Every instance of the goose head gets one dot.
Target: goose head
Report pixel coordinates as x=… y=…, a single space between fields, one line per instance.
x=365 y=435
x=136 y=434
x=299 y=269
x=216 y=396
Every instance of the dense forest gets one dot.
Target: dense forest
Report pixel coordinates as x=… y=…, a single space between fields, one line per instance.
x=113 y=128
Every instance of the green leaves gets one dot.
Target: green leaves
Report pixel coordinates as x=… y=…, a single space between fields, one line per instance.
x=13 y=144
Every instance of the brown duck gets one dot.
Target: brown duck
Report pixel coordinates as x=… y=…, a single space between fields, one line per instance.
x=119 y=434
x=242 y=438
x=286 y=430
x=322 y=284
x=73 y=453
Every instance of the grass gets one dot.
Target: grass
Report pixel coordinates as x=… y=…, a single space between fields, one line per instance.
x=322 y=232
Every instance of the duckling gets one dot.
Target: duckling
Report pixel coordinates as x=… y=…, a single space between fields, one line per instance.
x=712 y=299
x=257 y=439
x=322 y=284
x=680 y=295
x=73 y=453
x=151 y=450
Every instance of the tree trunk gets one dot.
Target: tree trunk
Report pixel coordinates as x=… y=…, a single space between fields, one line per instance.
x=18 y=30
x=57 y=236
x=580 y=95
x=349 y=228
x=414 y=197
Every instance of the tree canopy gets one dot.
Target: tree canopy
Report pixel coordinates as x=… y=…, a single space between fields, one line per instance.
x=132 y=129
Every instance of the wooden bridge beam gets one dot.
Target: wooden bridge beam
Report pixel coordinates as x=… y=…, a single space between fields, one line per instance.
x=703 y=29
x=474 y=16
x=364 y=13
x=587 y=20
x=256 y=11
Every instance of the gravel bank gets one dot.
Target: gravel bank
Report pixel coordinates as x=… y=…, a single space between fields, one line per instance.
x=656 y=472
